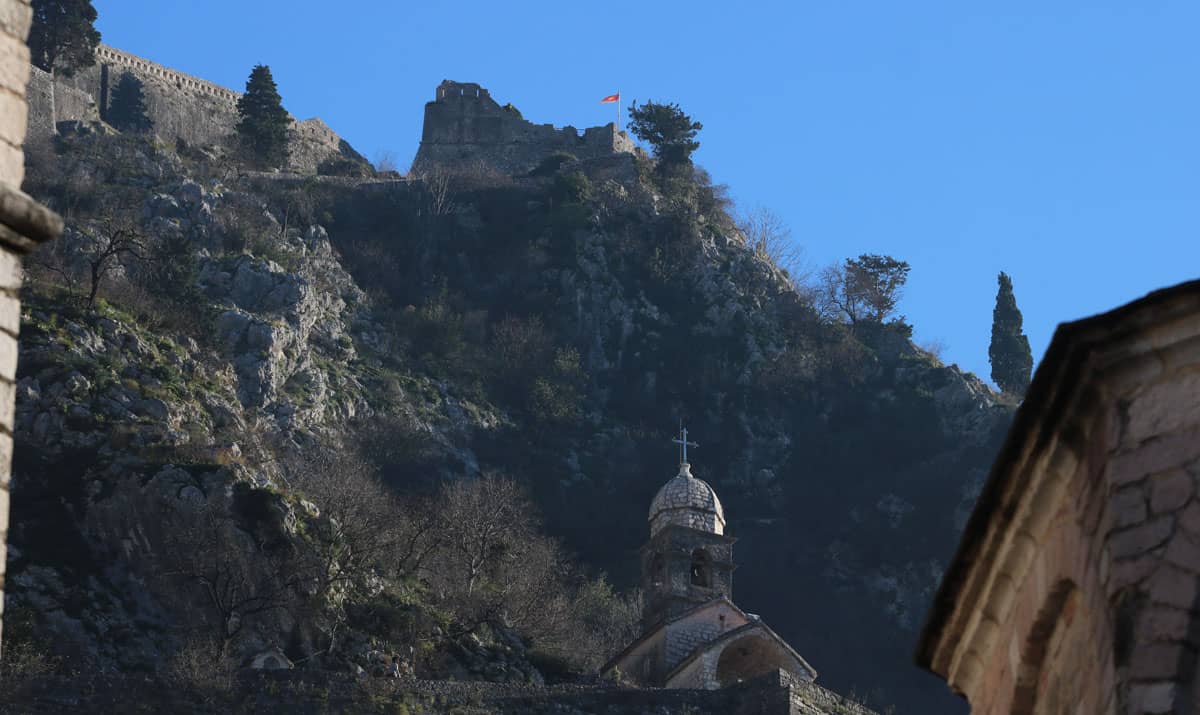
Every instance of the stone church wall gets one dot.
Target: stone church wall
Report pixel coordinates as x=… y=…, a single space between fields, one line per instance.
x=1077 y=586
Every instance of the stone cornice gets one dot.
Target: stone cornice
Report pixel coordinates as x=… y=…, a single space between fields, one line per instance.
x=24 y=223
x=1087 y=363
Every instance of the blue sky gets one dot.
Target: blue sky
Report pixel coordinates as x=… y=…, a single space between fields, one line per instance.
x=1057 y=141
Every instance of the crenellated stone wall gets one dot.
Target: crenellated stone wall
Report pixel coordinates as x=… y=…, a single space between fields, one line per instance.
x=466 y=130
x=23 y=225
x=181 y=106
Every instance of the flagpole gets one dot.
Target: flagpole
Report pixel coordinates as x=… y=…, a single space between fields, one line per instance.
x=618 y=111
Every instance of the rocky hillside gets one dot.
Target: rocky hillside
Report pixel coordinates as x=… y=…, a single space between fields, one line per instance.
x=263 y=338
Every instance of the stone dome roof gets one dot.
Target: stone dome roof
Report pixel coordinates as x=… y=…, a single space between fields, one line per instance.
x=689 y=502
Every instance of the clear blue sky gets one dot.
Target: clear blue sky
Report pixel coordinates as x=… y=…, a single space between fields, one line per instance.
x=1058 y=141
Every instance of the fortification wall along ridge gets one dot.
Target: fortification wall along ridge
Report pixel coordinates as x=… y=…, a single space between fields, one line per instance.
x=465 y=130
x=181 y=106
x=183 y=82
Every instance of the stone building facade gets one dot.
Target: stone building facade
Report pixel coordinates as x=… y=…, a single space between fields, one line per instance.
x=465 y=130
x=693 y=636
x=23 y=225
x=1076 y=587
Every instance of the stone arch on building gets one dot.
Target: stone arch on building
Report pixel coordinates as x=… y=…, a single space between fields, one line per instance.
x=1041 y=689
x=748 y=657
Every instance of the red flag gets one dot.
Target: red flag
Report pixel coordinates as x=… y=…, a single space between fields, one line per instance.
x=611 y=98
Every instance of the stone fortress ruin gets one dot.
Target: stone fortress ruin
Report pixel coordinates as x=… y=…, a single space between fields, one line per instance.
x=466 y=130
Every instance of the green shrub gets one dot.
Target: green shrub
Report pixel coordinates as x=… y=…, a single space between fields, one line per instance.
x=551 y=164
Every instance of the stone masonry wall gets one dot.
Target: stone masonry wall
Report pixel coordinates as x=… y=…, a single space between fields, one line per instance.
x=465 y=130
x=1096 y=606
x=23 y=224
x=181 y=106
x=1150 y=474
x=1055 y=644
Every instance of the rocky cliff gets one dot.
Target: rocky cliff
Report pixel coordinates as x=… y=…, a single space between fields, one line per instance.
x=552 y=329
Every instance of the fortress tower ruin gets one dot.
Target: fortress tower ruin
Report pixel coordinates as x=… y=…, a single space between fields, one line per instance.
x=466 y=130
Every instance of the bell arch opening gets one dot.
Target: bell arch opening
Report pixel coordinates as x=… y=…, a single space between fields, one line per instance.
x=701 y=569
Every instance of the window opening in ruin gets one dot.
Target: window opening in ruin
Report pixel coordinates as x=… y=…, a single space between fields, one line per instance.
x=701 y=569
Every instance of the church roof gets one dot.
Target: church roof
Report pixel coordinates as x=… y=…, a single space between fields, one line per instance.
x=800 y=664
x=688 y=501
x=657 y=628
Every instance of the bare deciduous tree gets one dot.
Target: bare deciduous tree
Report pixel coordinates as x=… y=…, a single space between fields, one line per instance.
x=108 y=239
x=441 y=197
x=224 y=572
x=770 y=238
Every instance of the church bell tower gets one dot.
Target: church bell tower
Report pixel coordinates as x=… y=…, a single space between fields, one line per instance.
x=688 y=560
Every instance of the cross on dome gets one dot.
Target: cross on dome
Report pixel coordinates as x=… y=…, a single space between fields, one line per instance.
x=683 y=444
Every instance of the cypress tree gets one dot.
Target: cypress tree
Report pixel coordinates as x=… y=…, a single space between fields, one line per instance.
x=263 y=129
x=1009 y=353
x=63 y=36
x=127 y=110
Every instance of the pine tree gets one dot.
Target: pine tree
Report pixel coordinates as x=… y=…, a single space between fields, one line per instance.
x=127 y=110
x=670 y=132
x=1011 y=358
x=263 y=129
x=63 y=36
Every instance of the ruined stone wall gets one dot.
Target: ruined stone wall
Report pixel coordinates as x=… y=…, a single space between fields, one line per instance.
x=465 y=130
x=181 y=106
x=23 y=224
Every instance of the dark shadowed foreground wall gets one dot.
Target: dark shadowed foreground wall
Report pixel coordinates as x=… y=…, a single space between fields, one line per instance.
x=23 y=224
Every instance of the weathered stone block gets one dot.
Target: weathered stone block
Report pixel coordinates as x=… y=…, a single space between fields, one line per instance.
x=14 y=65
x=1184 y=551
x=1162 y=623
x=1173 y=587
x=1170 y=491
x=1154 y=456
x=1129 y=507
x=1189 y=518
x=13 y=117
x=1142 y=538
x=10 y=314
x=1152 y=699
x=15 y=18
x=1165 y=407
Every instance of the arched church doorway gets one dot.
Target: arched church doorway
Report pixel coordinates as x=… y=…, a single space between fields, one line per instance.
x=749 y=657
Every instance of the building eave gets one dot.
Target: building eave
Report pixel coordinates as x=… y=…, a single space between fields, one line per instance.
x=1039 y=450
